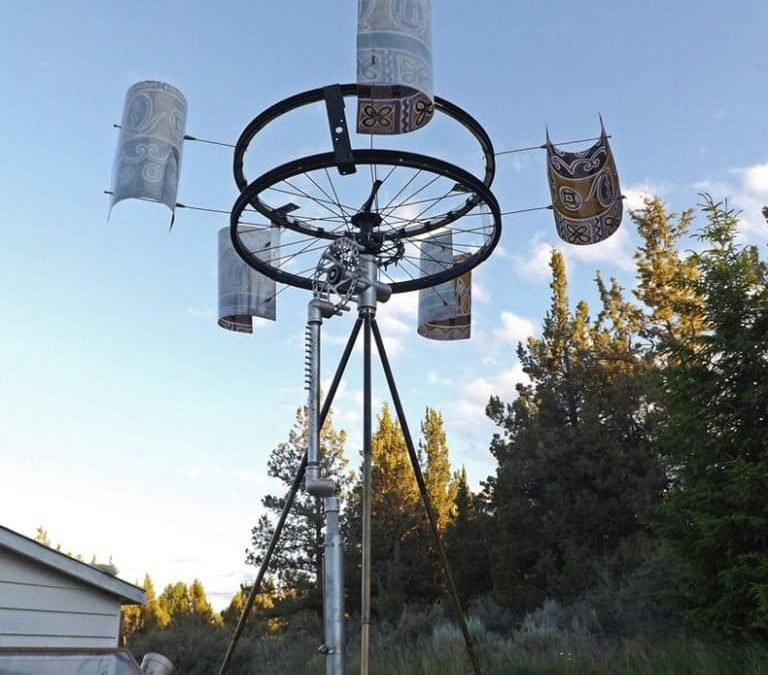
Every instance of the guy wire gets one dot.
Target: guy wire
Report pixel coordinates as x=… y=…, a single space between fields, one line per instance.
x=544 y=145
x=187 y=137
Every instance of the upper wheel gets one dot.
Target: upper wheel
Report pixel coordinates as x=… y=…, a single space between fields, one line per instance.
x=413 y=200
x=443 y=108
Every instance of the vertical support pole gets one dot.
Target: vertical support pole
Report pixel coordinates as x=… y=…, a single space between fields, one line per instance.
x=320 y=486
x=366 y=303
x=365 y=610
x=425 y=498
x=333 y=589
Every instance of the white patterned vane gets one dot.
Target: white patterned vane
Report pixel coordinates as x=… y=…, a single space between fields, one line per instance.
x=445 y=310
x=148 y=159
x=394 y=66
x=245 y=293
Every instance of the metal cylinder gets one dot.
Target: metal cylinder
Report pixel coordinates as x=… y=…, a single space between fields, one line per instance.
x=333 y=589
x=369 y=276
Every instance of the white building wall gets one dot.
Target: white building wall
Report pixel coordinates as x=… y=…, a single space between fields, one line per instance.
x=40 y=607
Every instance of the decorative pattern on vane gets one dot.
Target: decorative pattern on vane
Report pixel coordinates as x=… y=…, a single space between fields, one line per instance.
x=586 y=196
x=148 y=159
x=394 y=66
x=445 y=310
x=244 y=293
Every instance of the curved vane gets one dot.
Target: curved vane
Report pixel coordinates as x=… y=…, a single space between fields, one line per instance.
x=586 y=196
x=394 y=66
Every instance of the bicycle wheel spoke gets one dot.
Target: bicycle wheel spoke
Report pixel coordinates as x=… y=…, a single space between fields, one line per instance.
x=473 y=230
x=314 y=199
x=424 y=201
x=419 y=191
x=436 y=201
x=402 y=189
x=433 y=288
x=317 y=185
x=336 y=195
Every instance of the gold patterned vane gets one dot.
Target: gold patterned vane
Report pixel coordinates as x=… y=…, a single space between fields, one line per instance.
x=445 y=310
x=586 y=196
x=394 y=66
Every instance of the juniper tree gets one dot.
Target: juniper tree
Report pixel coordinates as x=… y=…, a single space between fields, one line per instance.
x=466 y=541
x=576 y=464
x=715 y=437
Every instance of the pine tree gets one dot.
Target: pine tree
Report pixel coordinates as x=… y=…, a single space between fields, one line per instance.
x=130 y=622
x=200 y=608
x=177 y=600
x=665 y=277
x=576 y=464
x=140 y=619
x=466 y=542
x=441 y=487
x=154 y=614
x=41 y=537
x=297 y=561
x=397 y=520
x=262 y=621
x=714 y=440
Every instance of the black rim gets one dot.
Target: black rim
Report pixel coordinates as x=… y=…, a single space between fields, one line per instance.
x=351 y=90
x=470 y=196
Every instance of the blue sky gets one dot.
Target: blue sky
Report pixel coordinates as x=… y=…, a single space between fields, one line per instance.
x=130 y=424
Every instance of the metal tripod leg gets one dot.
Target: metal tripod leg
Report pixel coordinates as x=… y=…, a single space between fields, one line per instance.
x=365 y=609
x=288 y=503
x=425 y=497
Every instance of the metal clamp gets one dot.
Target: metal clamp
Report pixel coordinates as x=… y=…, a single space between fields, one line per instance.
x=337 y=120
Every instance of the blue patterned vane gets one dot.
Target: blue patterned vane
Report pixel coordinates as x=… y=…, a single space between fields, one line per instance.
x=245 y=293
x=148 y=159
x=394 y=66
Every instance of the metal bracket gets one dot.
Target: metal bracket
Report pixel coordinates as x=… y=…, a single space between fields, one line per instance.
x=337 y=121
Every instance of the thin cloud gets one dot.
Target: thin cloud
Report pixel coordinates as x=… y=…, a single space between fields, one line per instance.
x=391 y=324
x=750 y=196
x=468 y=414
x=535 y=266
x=205 y=313
x=480 y=293
x=514 y=329
x=635 y=194
x=434 y=378
x=403 y=305
x=755 y=179
x=617 y=250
